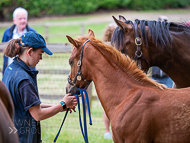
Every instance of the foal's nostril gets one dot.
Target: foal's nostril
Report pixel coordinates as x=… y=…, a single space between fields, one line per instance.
x=66 y=90
x=71 y=89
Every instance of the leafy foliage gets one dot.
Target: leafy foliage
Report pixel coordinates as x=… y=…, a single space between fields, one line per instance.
x=5 y=3
x=157 y=4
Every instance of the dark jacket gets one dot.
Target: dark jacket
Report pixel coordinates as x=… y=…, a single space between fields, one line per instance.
x=8 y=34
x=28 y=128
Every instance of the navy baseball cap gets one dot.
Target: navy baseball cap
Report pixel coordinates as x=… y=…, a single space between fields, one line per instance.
x=34 y=40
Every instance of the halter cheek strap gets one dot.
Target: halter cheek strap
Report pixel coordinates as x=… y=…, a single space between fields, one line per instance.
x=79 y=75
x=138 y=54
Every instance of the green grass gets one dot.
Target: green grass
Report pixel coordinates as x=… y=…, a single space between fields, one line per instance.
x=71 y=132
x=66 y=19
x=57 y=34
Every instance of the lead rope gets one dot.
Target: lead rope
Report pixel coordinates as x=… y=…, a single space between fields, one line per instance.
x=61 y=126
x=84 y=131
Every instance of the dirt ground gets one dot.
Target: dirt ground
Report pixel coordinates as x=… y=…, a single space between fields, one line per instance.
x=178 y=16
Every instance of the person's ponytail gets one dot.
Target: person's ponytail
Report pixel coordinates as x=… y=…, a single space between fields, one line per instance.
x=13 y=48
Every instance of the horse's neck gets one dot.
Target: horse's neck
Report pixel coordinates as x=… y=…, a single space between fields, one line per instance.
x=111 y=86
x=179 y=48
x=173 y=60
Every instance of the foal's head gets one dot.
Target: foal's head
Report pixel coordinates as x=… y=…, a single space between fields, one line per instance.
x=79 y=75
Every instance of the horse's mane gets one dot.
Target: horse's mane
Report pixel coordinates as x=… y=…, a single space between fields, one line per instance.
x=123 y=62
x=159 y=31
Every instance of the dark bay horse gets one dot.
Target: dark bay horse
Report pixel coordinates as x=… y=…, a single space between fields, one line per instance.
x=154 y=43
x=139 y=109
x=7 y=130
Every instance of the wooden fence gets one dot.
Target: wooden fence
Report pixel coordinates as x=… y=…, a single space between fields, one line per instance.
x=47 y=25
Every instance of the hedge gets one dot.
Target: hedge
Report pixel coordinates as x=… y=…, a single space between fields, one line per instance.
x=38 y=8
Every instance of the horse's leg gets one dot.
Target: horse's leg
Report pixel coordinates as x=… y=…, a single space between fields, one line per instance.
x=6 y=98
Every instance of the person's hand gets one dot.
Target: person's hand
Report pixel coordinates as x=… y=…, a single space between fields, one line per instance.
x=70 y=101
x=73 y=108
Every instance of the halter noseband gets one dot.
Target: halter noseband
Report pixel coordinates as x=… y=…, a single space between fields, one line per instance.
x=138 y=54
x=79 y=75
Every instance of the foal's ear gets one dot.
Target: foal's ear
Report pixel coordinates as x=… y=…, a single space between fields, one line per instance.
x=90 y=33
x=73 y=41
x=122 y=25
x=122 y=18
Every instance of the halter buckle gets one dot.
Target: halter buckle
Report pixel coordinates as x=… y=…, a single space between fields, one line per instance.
x=79 y=77
x=79 y=63
x=138 y=42
x=140 y=55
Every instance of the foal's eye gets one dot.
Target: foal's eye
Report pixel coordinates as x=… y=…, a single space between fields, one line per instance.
x=70 y=62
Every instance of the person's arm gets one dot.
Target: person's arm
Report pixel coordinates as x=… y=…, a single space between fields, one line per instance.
x=40 y=114
x=31 y=102
x=43 y=105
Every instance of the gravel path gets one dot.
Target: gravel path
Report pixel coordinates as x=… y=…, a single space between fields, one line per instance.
x=173 y=15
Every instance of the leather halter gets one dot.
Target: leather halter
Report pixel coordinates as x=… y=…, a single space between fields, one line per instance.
x=79 y=75
x=138 y=54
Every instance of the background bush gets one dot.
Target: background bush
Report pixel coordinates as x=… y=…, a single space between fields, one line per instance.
x=158 y=4
x=39 y=8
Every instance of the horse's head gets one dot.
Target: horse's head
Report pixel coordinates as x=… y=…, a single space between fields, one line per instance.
x=126 y=38
x=79 y=76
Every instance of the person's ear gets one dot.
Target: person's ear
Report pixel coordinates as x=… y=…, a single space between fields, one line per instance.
x=14 y=21
x=29 y=51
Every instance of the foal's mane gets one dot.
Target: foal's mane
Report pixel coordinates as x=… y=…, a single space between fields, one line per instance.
x=159 y=31
x=123 y=62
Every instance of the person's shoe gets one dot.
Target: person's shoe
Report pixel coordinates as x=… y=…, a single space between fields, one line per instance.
x=108 y=135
